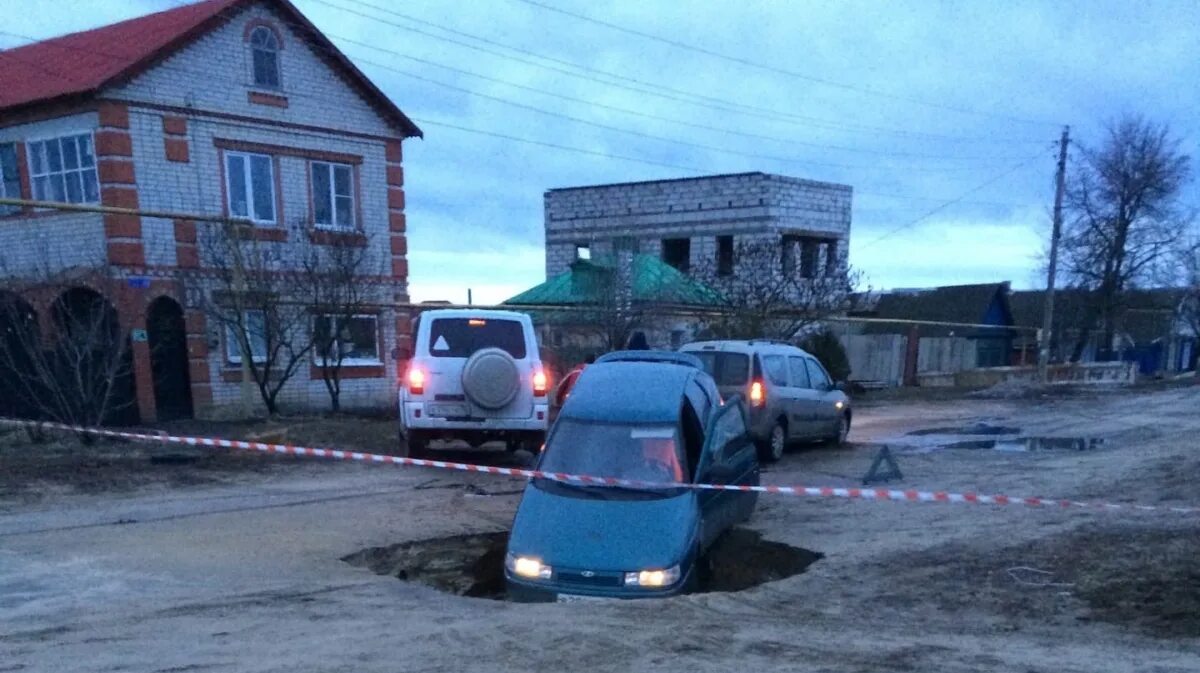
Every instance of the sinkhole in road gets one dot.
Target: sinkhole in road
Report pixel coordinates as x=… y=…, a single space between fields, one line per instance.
x=473 y=565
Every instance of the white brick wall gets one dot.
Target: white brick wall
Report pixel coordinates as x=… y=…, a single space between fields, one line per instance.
x=745 y=204
x=213 y=73
x=50 y=241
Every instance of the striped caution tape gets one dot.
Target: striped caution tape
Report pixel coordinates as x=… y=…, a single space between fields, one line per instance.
x=811 y=491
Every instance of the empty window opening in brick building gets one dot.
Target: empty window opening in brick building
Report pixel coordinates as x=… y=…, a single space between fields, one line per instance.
x=677 y=252
x=816 y=257
x=725 y=255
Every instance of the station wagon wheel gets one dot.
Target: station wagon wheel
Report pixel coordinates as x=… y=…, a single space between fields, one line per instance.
x=776 y=443
x=843 y=430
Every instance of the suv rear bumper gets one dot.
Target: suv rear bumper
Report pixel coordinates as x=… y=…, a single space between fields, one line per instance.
x=413 y=417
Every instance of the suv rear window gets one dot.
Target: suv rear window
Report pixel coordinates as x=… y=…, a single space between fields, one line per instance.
x=460 y=337
x=727 y=369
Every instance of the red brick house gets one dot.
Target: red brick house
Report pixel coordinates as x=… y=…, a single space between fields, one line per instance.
x=234 y=108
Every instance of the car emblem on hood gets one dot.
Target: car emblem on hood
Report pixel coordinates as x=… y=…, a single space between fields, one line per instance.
x=588 y=573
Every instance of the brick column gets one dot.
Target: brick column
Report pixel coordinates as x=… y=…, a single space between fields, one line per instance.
x=118 y=185
x=397 y=228
x=198 y=370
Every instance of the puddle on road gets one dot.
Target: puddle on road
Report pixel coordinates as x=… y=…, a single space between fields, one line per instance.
x=473 y=565
x=991 y=437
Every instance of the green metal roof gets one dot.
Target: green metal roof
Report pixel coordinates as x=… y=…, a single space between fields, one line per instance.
x=654 y=281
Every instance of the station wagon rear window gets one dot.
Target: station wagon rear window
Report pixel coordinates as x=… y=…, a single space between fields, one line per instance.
x=727 y=369
x=460 y=337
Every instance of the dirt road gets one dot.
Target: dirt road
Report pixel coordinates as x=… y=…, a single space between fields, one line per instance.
x=246 y=576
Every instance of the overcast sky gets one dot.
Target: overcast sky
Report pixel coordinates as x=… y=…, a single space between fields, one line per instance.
x=915 y=104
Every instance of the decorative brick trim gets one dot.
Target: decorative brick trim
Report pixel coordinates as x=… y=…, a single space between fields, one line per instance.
x=176 y=150
x=198 y=372
x=187 y=256
x=399 y=267
x=126 y=253
x=213 y=114
x=122 y=226
x=185 y=231
x=345 y=238
x=350 y=372
x=395 y=198
x=397 y=223
x=117 y=196
x=116 y=171
x=273 y=100
x=392 y=151
x=113 y=144
x=174 y=125
x=285 y=150
x=395 y=176
x=399 y=245
x=257 y=22
x=113 y=114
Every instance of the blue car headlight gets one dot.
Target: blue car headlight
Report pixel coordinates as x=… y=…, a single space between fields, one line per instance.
x=653 y=578
x=528 y=567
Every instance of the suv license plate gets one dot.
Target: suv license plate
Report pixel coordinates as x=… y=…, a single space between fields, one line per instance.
x=576 y=598
x=447 y=410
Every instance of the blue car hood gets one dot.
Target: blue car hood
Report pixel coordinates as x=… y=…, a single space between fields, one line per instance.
x=582 y=532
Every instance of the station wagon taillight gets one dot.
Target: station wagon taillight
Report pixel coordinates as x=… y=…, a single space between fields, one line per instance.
x=540 y=384
x=416 y=381
x=758 y=396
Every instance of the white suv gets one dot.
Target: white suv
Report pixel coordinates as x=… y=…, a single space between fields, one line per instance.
x=475 y=376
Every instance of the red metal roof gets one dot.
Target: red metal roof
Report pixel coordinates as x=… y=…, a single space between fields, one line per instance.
x=82 y=63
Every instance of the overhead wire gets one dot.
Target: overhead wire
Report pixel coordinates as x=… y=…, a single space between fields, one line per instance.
x=766 y=67
x=640 y=86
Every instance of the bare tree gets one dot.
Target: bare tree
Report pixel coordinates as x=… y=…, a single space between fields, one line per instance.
x=79 y=370
x=768 y=298
x=334 y=275
x=1189 y=280
x=259 y=300
x=1122 y=201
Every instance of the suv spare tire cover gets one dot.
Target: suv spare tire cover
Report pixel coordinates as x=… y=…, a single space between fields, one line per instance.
x=490 y=378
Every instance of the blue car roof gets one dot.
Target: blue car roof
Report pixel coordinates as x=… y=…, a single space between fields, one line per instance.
x=624 y=391
x=669 y=357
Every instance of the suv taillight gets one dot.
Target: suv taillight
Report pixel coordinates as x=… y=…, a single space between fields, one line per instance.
x=758 y=395
x=416 y=380
x=540 y=384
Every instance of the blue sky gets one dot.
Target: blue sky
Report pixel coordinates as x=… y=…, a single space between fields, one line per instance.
x=915 y=104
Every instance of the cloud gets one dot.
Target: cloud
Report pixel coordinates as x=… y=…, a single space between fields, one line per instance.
x=475 y=200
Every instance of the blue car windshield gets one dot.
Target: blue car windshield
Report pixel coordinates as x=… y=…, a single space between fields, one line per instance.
x=645 y=452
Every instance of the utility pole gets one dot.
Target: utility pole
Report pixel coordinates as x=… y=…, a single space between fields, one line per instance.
x=1048 y=316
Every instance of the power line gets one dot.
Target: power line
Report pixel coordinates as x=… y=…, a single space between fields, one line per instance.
x=951 y=202
x=640 y=86
x=774 y=69
x=646 y=115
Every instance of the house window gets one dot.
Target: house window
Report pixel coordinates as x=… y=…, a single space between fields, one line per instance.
x=355 y=338
x=264 y=50
x=583 y=251
x=255 y=325
x=64 y=169
x=250 y=186
x=724 y=255
x=10 y=179
x=333 y=195
x=677 y=252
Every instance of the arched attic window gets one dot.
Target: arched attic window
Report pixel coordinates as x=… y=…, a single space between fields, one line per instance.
x=264 y=52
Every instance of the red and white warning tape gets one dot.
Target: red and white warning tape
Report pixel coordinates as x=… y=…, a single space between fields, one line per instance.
x=812 y=491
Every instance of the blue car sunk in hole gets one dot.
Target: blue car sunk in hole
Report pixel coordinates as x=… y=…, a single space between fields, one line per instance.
x=638 y=415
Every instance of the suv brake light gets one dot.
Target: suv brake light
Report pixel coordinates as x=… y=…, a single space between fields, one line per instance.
x=416 y=381
x=757 y=395
x=540 y=383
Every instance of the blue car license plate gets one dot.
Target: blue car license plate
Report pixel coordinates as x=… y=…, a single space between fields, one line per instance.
x=576 y=598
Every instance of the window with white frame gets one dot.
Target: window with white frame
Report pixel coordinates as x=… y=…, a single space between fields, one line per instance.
x=10 y=177
x=355 y=338
x=264 y=57
x=250 y=186
x=254 y=324
x=64 y=169
x=333 y=195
